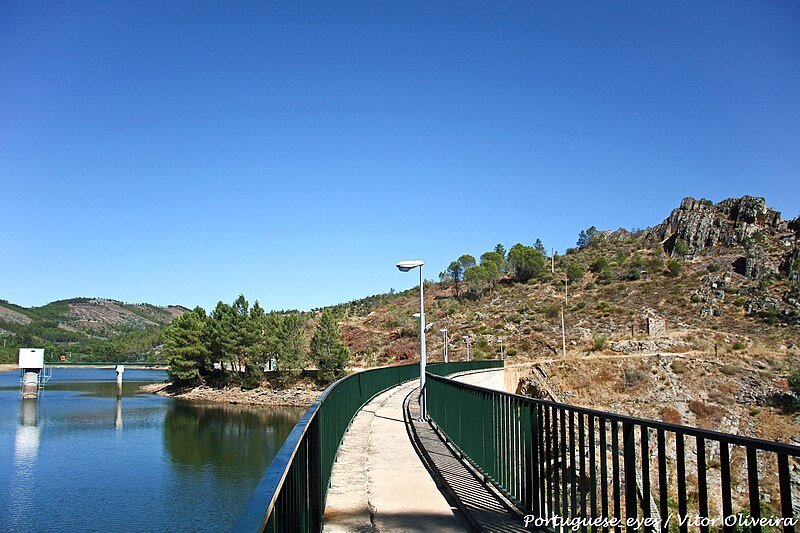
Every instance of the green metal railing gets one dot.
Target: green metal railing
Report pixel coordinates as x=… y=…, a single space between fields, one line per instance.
x=577 y=469
x=447 y=369
x=291 y=495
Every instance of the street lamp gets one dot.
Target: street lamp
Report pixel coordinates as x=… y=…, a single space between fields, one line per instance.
x=444 y=332
x=466 y=341
x=405 y=266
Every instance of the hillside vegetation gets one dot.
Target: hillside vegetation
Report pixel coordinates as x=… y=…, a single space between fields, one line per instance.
x=723 y=279
x=736 y=288
x=86 y=330
x=696 y=320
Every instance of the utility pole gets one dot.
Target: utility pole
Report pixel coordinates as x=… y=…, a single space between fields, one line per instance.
x=563 y=335
x=552 y=260
x=444 y=332
x=566 y=290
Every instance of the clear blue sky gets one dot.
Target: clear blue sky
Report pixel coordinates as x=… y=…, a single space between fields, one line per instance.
x=187 y=152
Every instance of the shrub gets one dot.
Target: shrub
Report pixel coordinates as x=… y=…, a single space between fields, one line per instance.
x=552 y=310
x=574 y=271
x=634 y=377
x=599 y=341
x=599 y=264
x=681 y=248
x=738 y=345
x=633 y=274
x=251 y=379
x=603 y=306
x=511 y=352
x=696 y=298
x=679 y=367
x=730 y=370
x=673 y=268
x=794 y=382
x=606 y=276
x=655 y=263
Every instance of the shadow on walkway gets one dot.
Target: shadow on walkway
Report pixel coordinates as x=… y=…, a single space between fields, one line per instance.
x=479 y=502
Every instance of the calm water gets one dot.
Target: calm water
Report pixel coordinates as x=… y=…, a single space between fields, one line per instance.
x=77 y=459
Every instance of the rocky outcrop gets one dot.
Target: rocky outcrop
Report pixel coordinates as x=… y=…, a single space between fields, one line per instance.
x=701 y=224
x=658 y=345
x=765 y=243
x=791 y=264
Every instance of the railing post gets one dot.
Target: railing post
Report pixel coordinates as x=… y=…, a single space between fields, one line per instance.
x=629 y=462
x=532 y=496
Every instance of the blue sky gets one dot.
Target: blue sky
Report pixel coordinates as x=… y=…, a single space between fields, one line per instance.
x=187 y=152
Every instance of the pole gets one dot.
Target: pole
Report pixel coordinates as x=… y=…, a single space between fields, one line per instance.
x=566 y=291
x=423 y=408
x=120 y=369
x=563 y=335
x=446 y=358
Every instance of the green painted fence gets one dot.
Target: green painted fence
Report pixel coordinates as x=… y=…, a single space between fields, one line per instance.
x=291 y=495
x=572 y=466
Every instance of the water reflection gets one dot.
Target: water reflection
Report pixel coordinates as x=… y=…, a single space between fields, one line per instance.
x=26 y=441
x=226 y=437
x=26 y=450
x=78 y=451
x=118 y=415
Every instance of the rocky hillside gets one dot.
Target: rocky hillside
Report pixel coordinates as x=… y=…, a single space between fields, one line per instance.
x=84 y=329
x=714 y=290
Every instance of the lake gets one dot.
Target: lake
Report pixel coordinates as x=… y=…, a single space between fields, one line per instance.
x=79 y=459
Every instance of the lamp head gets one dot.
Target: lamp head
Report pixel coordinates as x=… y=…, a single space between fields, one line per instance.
x=405 y=266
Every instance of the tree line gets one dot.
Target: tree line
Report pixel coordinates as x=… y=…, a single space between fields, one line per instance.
x=236 y=342
x=521 y=263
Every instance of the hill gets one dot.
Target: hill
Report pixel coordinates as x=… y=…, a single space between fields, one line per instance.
x=714 y=291
x=86 y=329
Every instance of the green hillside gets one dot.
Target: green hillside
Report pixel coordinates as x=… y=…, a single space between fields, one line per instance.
x=85 y=330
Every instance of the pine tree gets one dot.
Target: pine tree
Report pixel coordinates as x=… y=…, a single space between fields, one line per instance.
x=327 y=348
x=186 y=347
x=290 y=346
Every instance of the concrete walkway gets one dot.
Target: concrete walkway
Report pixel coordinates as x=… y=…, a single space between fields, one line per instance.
x=378 y=483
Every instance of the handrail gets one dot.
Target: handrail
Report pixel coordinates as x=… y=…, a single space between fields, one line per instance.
x=569 y=465
x=291 y=494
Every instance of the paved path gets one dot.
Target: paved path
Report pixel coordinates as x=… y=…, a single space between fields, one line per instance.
x=378 y=483
x=488 y=379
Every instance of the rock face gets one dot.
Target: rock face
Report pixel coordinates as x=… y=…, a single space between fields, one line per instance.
x=745 y=223
x=733 y=222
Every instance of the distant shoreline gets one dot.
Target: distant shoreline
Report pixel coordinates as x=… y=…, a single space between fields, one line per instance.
x=11 y=367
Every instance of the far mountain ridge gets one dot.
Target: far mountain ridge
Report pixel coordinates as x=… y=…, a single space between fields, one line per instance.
x=77 y=328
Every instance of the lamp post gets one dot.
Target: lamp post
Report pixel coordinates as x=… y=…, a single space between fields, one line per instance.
x=444 y=332
x=466 y=341
x=405 y=266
